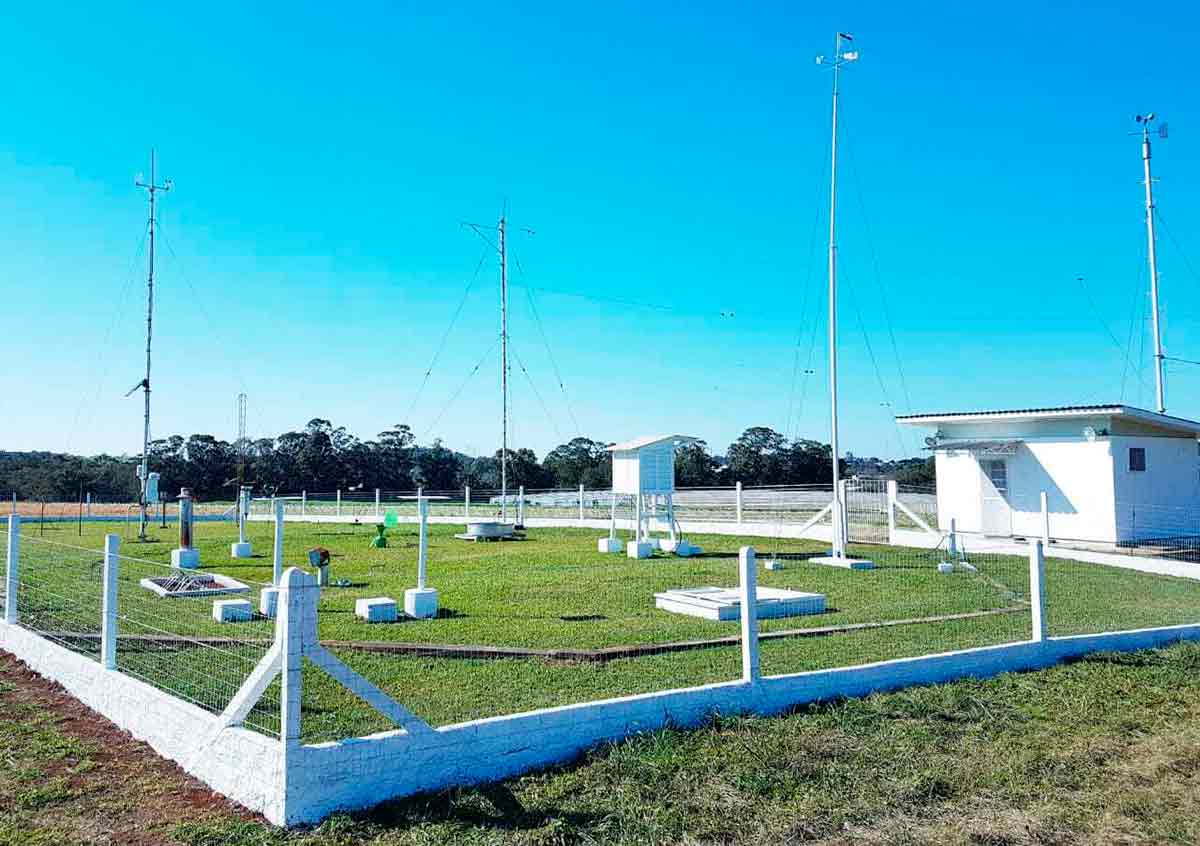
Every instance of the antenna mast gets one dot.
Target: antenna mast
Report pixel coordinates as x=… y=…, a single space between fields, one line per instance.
x=503 y=370
x=840 y=57
x=241 y=443
x=151 y=187
x=1151 y=253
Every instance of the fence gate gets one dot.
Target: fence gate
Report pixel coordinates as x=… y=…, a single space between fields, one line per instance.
x=866 y=510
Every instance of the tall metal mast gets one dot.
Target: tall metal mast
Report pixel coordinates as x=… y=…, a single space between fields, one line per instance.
x=151 y=187
x=840 y=57
x=1145 y=121
x=503 y=371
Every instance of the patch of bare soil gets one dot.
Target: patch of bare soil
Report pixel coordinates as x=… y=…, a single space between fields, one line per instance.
x=128 y=794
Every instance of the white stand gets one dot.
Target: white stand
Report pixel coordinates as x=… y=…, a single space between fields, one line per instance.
x=242 y=549
x=268 y=602
x=185 y=559
x=421 y=602
x=611 y=543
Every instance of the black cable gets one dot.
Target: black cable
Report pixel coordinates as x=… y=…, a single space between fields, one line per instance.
x=445 y=335
x=461 y=387
x=550 y=353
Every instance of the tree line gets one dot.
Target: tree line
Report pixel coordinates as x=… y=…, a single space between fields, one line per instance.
x=324 y=457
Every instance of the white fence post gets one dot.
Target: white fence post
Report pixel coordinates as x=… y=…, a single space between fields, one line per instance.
x=581 y=505
x=377 y=503
x=1045 y=519
x=521 y=505
x=108 y=618
x=303 y=502
x=738 y=494
x=338 y=509
x=296 y=624
x=89 y=505
x=11 y=574
x=893 y=493
x=420 y=496
x=467 y=502
x=277 y=555
x=1037 y=589
x=748 y=575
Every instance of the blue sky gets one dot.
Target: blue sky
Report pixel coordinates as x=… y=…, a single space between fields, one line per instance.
x=672 y=159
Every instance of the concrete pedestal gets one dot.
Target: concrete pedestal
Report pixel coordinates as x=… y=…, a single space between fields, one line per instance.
x=421 y=603
x=379 y=609
x=847 y=563
x=610 y=545
x=639 y=550
x=185 y=559
x=945 y=568
x=241 y=550
x=232 y=610
x=268 y=602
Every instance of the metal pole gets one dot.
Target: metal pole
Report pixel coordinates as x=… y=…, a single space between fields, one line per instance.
x=839 y=548
x=1152 y=254
x=151 y=188
x=422 y=540
x=277 y=552
x=503 y=374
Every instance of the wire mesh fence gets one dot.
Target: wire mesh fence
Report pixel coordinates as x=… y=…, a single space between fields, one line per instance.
x=551 y=620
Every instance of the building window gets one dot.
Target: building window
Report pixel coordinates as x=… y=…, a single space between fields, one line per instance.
x=1137 y=459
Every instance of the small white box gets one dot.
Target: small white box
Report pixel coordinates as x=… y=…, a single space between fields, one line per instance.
x=232 y=610
x=639 y=550
x=421 y=603
x=773 y=564
x=610 y=545
x=185 y=559
x=945 y=567
x=241 y=550
x=378 y=609
x=268 y=602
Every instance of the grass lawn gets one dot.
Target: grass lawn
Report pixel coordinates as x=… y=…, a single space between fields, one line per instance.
x=555 y=591
x=1104 y=750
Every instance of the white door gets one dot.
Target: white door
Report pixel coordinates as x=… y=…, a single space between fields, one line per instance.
x=995 y=513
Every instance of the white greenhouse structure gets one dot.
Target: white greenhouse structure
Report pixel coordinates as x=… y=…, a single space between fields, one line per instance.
x=1110 y=474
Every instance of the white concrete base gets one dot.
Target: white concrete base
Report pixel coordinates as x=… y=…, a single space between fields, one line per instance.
x=379 y=609
x=487 y=530
x=232 y=610
x=633 y=549
x=185 y=559
x=608 y=545
x=945 y=567
x=773 y=564
x=421 y=603
x=241 y=550
x=847 y=563
x=714 y=603
x=268 y=602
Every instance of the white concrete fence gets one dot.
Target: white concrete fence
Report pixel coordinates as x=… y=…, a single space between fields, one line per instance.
x=291 y=781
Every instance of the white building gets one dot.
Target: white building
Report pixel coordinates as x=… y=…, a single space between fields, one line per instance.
x=1111 y=473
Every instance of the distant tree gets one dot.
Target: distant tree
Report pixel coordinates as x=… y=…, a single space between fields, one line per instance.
x=694 y=466
x=580 y=461
x=757 y=457
x=915 y=471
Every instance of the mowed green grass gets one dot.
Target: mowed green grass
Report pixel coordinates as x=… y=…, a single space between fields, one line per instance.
x=1101 y=751
x=554 y=590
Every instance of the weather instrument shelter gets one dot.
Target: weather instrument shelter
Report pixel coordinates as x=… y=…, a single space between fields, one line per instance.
x=1111 y=474
x=644 y=469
